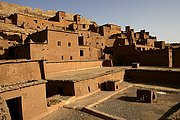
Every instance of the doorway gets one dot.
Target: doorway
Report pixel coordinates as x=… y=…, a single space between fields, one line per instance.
x=15 y=108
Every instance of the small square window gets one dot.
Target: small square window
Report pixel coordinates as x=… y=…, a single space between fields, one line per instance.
x=71 y=57
x=81 y=53
x=69 y=44
x=59 y=43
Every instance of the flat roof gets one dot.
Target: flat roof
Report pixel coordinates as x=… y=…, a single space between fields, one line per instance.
x=81 y=75
x=20 y=85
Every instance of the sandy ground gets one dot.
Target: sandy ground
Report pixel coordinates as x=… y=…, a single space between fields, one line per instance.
x=124 y=105
x=70 y=114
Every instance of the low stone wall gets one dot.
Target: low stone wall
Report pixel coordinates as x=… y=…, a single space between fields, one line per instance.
x=53 y=67
x=165 y=76
x=4 y=113
x=19 y=70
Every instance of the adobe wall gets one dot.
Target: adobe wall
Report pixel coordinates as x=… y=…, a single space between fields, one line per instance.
x=3 y=46
x=166 y=77
x=53 y=67
x=30 y=22
x=94 y=84
x=125 y=55
x=176 y=57
x=15 y=71
x=33 y=100
x=156 y=58
x=40 y=51
x=68 y=48
x=59 y=87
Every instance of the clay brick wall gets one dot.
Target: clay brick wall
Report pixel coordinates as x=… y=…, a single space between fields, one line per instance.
x=125 y=55
x=53 y=67
x=33 y=99
x=94 y=84
x=68 y=48
x=13 y=72
x=3 y=47
x=59 y=46
x=156 y=58
x=109 y=29
x=29 y=22
x=40 y=51
x=176 y=57
x=158 y=77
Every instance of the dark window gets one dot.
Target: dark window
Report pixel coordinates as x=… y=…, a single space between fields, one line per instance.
x=81 y=53
x=59 y=43
x=84 y=26
x=69 y=44
x=35 y=21
x=71 y=57
x=102 y=44
x=138 y=48
x=97 y=43
x=89 y=89
x=62 y=57
x=116 y=86
x=81 y=40
x=1 y=47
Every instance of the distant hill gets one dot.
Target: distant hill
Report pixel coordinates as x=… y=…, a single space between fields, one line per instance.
x=6 y=9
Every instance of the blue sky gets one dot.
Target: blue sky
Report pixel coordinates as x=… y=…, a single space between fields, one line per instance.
x=159 y=17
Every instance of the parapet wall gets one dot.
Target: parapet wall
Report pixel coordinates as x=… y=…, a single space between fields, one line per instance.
x=54 y=67
x=19 y=70
x=164 y=76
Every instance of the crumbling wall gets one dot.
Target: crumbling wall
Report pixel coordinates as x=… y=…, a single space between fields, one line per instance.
x=4 y=112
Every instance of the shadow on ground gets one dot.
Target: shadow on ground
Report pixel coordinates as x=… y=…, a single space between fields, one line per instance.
x=170 y=112
x=129 y=99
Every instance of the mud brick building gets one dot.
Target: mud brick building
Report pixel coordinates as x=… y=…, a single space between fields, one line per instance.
x=22 y=89
x=65 y=37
